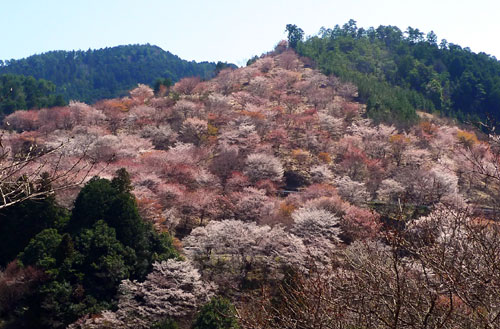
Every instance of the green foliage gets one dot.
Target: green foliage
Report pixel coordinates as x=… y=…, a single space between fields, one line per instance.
x=103 y=260
x=162 y=83
x=96 y=192
x=53 y=306
x=104 y=242
x=165 y=324
x=121 y=182
x=162 y=246
x=397 y=74
x=295 y=35
x=92 y=75
x=33 y=216
x=19 y=92
x=219 y=313
x=41 y=250
x=83 y=276
x=117 y=207
x=222 y=66
x=252 y=60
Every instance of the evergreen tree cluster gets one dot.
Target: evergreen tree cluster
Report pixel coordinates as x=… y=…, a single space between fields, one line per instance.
x=18 y=92
x=92 y=75
x=400 y=72
x=83 y=255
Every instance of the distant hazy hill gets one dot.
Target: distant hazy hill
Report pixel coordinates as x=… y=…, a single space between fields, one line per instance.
x=105 y=73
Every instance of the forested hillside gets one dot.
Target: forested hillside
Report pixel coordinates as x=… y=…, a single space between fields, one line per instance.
x=399 y=72
x=92 y=75
x=263 y=198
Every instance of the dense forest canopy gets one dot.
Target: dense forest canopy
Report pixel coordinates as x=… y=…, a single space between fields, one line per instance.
x=399 y=72
x=92 y=75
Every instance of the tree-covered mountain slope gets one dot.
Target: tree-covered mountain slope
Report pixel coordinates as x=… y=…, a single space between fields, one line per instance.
x=267 y=187
x=106 y=73
x=400 y=72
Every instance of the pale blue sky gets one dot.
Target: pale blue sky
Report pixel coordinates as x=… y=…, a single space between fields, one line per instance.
x=226 y=30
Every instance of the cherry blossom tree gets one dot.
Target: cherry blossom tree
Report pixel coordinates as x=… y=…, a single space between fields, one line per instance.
x=319 y=230
x=390 y=190
x=260 y=86
x=354 y=162
x=228 y=251
x=312 y=223
x=225 y=161
x=265 y=64
x=334 y=126
x=252 y=205
x=359 y=223
x=104 y=320
x=83 y=114
x=260 y=166
x=22 y=120
x=193 y=131
x=352 y=191
x=173 y=289
x=142 y=93
x=186 y=85
x=236 y=182
x=161 y=136
x=288 y=60
x=104 y=148
x=321 y=174
x=242 y=134
x=227 y=82
x=55 y=118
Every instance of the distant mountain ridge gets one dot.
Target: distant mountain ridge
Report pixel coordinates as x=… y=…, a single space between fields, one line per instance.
x=106 y=73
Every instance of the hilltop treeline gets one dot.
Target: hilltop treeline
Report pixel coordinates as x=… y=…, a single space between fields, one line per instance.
x=105 y=73
x=399 y=72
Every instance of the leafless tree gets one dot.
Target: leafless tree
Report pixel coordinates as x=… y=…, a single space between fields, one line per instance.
x=36 y=171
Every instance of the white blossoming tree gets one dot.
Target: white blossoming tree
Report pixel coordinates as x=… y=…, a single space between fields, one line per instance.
x=229 y=251
x=259 y=166
x=173 y=289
